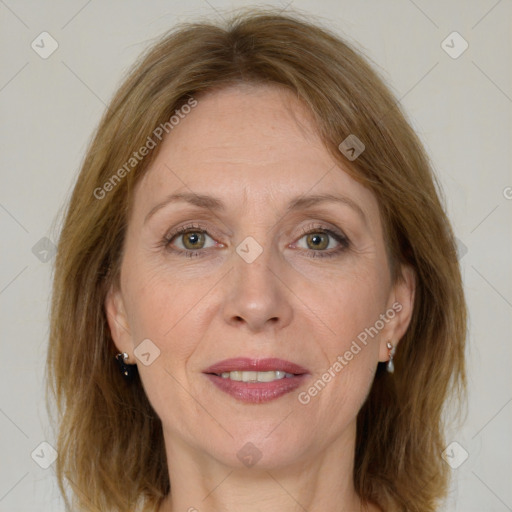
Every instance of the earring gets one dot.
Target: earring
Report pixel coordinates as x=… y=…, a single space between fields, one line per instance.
x=390 y=365
x=128 y=370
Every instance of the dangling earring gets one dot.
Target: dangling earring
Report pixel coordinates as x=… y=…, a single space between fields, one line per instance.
x=390 y=365
x=128 y=370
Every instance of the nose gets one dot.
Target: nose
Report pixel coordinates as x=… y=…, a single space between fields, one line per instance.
x=257 y=297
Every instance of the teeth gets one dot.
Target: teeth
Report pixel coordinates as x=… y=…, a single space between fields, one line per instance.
x=256 y=376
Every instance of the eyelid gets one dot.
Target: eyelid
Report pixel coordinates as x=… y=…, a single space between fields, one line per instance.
x=170 y=234
x=190 y=228
x=325 y=228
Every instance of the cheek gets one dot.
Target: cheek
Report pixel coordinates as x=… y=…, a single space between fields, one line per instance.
x=157 y=306
x=347 y=312
x=156 y=296
x=162 y=309
x=347 y=304
x=170 y=308
x=339 y=389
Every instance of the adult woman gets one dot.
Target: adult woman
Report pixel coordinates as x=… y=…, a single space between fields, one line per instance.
x=256 y=227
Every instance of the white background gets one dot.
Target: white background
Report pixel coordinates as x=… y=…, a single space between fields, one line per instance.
x=461 y=109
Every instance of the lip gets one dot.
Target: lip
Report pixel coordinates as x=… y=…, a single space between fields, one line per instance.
x=256 y=365
x=256 y=392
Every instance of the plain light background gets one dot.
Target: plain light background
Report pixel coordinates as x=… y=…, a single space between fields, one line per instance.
x=461 y=108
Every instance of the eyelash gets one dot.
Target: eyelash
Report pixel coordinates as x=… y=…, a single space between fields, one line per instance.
x=194 y=228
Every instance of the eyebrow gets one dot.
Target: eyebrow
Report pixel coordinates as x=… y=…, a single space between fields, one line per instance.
x=212 y=203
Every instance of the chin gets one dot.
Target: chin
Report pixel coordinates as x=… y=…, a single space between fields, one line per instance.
x=257 y=450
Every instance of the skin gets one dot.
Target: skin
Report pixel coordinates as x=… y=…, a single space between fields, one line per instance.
x=255 y=148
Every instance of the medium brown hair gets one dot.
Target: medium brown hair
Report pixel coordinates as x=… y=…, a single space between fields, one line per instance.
x=110 y=441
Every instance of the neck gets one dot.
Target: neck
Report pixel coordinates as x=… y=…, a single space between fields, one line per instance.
x=319 y=481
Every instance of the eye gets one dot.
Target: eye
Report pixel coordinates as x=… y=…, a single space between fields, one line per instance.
x=192 y=240
x=189 y=239
x=318 y=241
x=324 y=242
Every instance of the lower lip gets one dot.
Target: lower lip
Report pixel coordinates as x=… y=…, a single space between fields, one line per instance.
x=257 y=392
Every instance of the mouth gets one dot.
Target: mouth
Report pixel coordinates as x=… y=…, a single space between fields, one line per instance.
x=256 y=380
x=250 y=376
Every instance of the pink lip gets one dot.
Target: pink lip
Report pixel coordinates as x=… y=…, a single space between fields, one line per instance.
x=256 y=365
x=256 y=392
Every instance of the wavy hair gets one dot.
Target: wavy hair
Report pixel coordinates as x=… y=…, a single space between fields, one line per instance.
x=109 y=439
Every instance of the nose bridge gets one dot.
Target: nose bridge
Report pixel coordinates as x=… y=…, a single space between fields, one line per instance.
x=253 y=267
x=256 y=296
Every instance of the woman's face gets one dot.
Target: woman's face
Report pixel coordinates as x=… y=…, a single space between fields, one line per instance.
x=249 y=248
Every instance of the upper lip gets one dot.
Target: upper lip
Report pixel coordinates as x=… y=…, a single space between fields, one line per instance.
x=256 y=365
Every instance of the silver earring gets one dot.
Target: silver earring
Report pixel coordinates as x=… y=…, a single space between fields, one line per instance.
x=390 y=365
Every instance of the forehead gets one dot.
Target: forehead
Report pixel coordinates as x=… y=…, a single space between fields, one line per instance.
x=257 y=143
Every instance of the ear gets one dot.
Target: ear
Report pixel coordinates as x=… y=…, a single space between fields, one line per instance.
x=118 y=321
x=401 y=302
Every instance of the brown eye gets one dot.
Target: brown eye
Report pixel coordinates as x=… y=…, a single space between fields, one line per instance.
x=190 y=239
x=193 y=240
x=317 y=241
x=321 y=242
